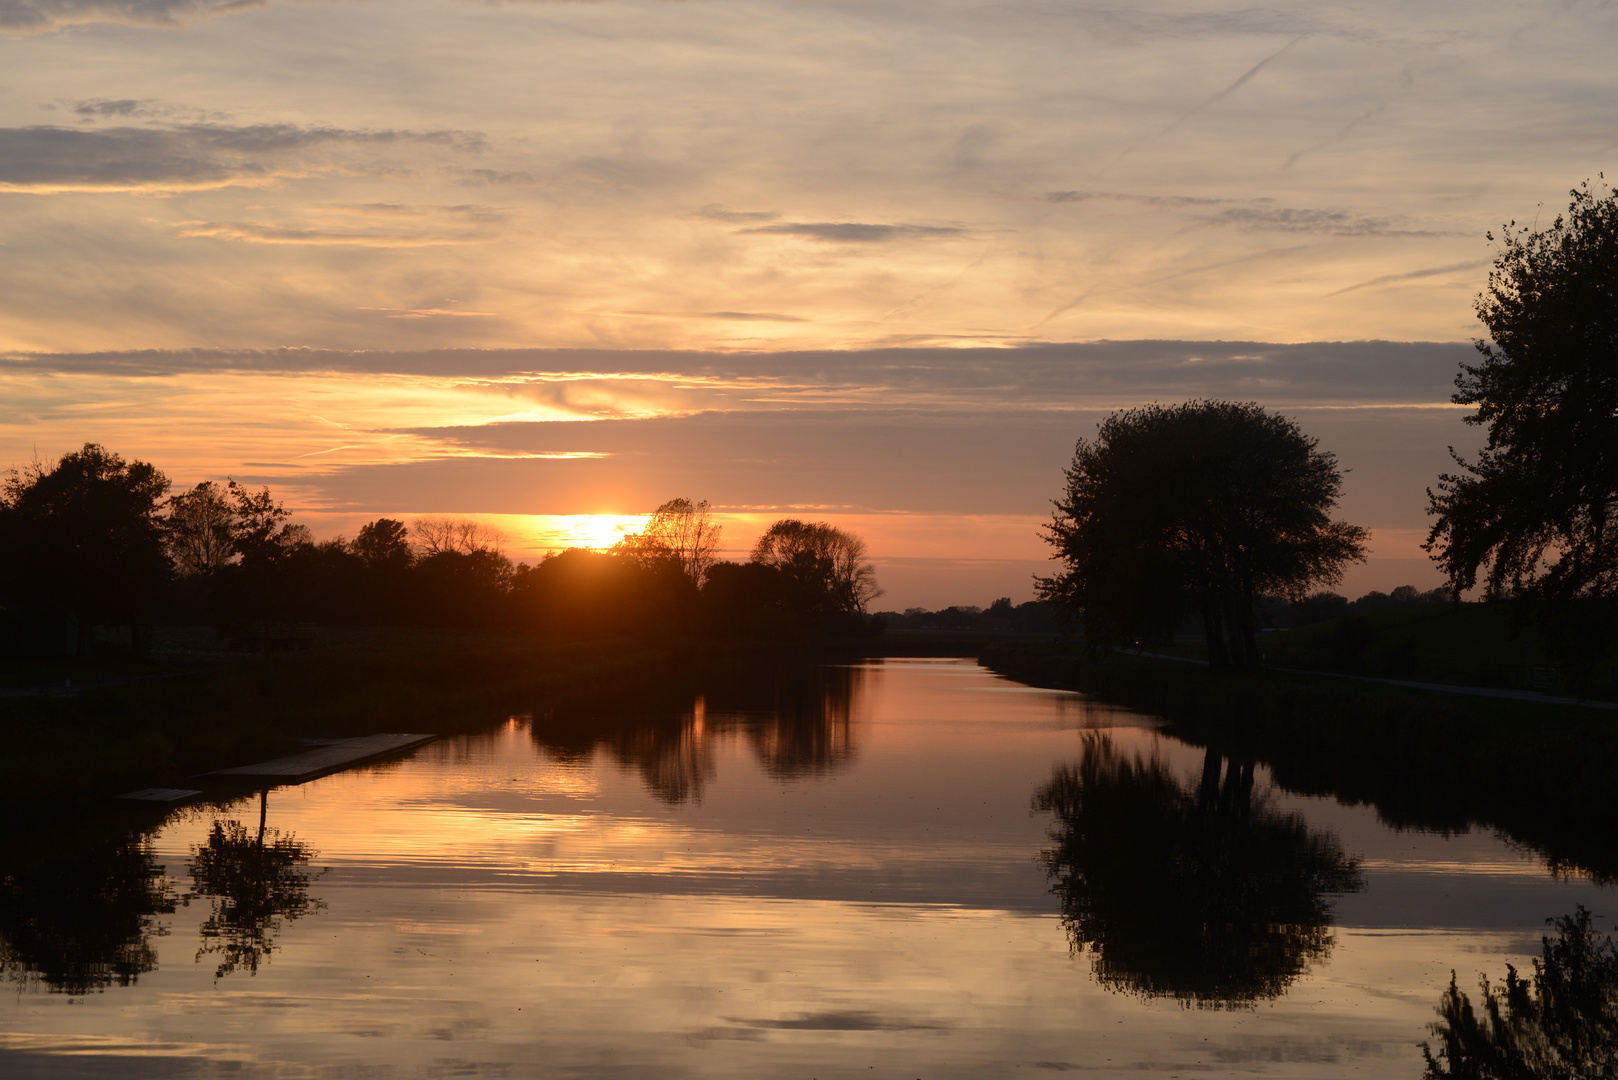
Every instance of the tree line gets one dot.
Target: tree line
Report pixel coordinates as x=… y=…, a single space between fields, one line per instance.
x=1199 y=510
x=98 y=539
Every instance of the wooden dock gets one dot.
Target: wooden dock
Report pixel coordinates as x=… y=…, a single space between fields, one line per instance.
x=324 y=756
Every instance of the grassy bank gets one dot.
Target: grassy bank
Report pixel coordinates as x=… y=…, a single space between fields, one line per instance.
x=1542 y=774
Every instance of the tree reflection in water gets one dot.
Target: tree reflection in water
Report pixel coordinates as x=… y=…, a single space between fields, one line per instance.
x=255 y=881
x=796 y=719
x=80 y=924
x=1562 y=1023
x=1207 y=895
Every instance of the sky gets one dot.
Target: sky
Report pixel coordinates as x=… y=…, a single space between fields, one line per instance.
x=553 y=263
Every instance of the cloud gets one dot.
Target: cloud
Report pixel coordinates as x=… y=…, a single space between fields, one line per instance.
x=851 y=232
x=1112 y=373
x=100 y=107
x=33 y=16
x=716 y=212
x=730 y=316
x=401 y=226
x=187 y=157
x=1289 y=219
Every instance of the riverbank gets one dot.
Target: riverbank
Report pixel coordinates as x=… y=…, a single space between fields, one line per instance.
x=80 y=733
x=1540 y=773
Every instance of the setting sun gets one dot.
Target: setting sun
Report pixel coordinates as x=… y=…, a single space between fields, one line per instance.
x=585 y=530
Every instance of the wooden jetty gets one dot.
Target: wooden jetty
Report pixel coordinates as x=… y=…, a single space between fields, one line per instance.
x=324 y=756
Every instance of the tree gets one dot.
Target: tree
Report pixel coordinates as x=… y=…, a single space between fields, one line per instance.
x=680 y=531
x=83 y=536
x=198 y=529
x=264 y=584
x=437 y=535
x=1536 y=513
x=383 y=544
x=1195 y=508
x=827 y=565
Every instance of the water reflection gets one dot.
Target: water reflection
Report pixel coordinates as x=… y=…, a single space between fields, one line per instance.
x=1560 y=1023
x=255 y=880
x=797 y=720
x=1205 y=895
x=83 y=922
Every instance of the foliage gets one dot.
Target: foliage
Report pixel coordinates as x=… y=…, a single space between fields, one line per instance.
x=826 y=566
x=264 y=584
x=1562 y=1023
x=1536 y=513
x=84 y=536
x=197 y=529
x=1205 y=895
x=679 y=530
x=580 y=592
x=383 y=544
x=1194 y=508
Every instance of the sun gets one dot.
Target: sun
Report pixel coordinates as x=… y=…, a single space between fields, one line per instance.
x=589 y=530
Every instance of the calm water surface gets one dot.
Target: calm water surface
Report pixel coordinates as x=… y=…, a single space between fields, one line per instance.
x=916 y=870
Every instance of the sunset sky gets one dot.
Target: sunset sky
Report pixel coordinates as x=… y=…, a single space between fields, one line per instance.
x=875 y=263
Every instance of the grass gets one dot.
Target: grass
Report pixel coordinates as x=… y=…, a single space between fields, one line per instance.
x=1540 y=773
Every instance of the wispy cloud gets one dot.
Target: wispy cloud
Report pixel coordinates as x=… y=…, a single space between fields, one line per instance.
x=853 y=232
x=1304 y=220
x=33 y=16
x=46 y=158
x=716 y=212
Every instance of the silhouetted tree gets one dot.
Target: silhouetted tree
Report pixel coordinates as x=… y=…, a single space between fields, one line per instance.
x=266 y=584
x=1208 y=896
x=255 y=881
x=826 y=566
x=462 y=536
x=460 y=588
x=1195 y=508
x=198 y=529
x=1538 y=508
x=84 y=921
x=383 y=544
x=582 y=592
x=83 y=536
x=1562 y=1024
x=679 y=530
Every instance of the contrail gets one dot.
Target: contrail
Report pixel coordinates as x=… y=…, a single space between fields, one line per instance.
x=1233 y=87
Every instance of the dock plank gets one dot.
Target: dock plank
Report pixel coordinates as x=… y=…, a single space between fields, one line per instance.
x=323 y=759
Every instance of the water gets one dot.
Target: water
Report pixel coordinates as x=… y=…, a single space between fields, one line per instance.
x=909 y=869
